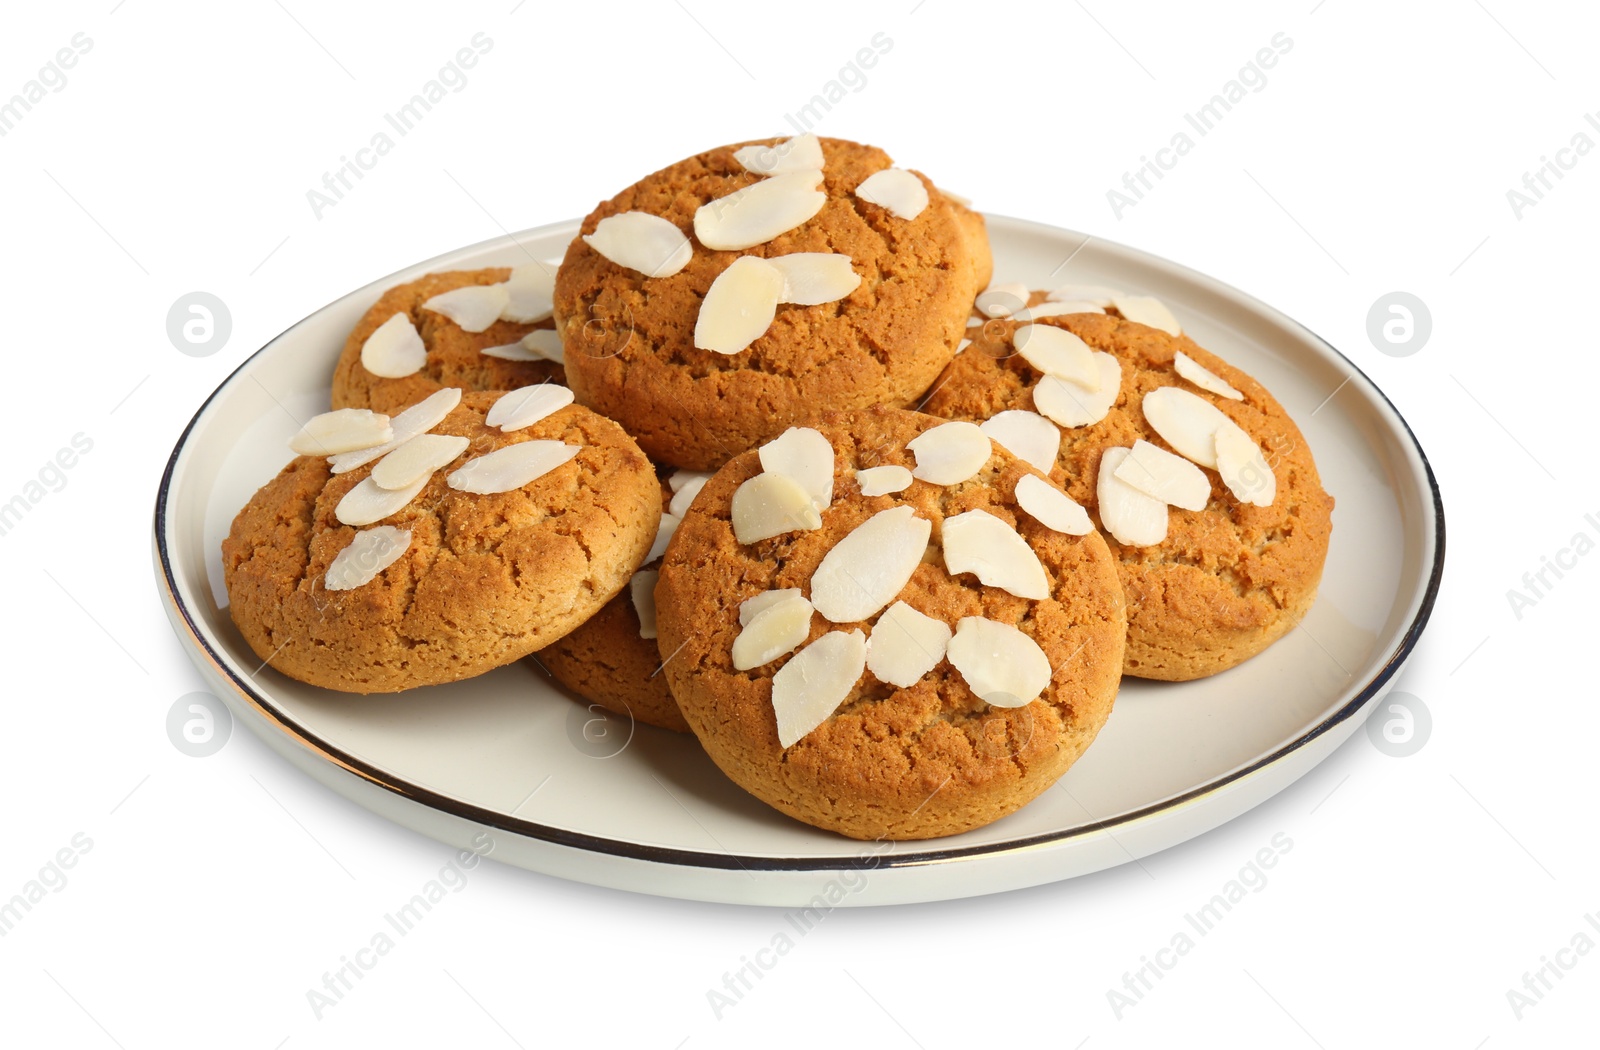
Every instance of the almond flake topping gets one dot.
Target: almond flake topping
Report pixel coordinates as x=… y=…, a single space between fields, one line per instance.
x=1039 y=310
x=679 y=506
x=1243 y=468
x=1147 y=310
x=1002 y=300
x=343 y=430
x=526 y=406
x=806 y=456
x=418 y=419
x=759 y=212
x=1129 y=515
x=1204 y=378
x=739 y=306
x=512 y=352
x=1052 y=508
x=801 y=153
x=1187 y=422
x=813 y=684
x=680 y=478
x=368 y=502
x=950 y=453
x=750 y=608
x=530 y=294
x=642 y=589
x=417 y=459
x=472 y=307
x=869 y=567
x=982 y=544
x=1160 y=475
x=664 y=532
x=1070 y=405
x=1027 y=435
x=774 y=631
x=813 y=278
x=880 y=481
x=637 y=240
x=1000 y=664
x=1085 y=293
x=906 y=645
x=394 y=350
x=510 y=468
x=895 y=189
x=368 y=554
x=769 y=505
x=1057 y=352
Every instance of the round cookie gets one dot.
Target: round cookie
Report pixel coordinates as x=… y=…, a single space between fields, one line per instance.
x=485 y=580
x=608 y=662
x=927 y=760
x=629 y=339
x=455 y=356
x=1229 y=579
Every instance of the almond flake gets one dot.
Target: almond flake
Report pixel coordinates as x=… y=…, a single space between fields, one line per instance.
x=546 y=342
x=1129 y=515
x=880 y=481
x=343 y=430
x=368 y=554
x=642 y=589
x=1000 y=664
x=774 y=631
x=367 y=502
x=512 y=352
x=394 y=350
x=1146 y=310
x=1039 y=310
x=530 y=294
x=1203 y=377
x=1027 y=435
x=508 y=469
x=418 y=419
x=769 y=505
x=896 y=189
x=867 y=568
x=759 y=212
x=1187 y=422
x=1057 y=352
x=906 y=645
x=1002 y=300
x=472 y=307
x=527 y=406
x=637 y=240
x=1160 y=475
x=1085 y=293
x=685 y=496
x=950 y=453
x=812 y=685
x=974 y=322
x=963 y=345
x=1070 y=405
x=1051 y=507
x=417 y=459
x=1243 y=468
x=750 y=608
x=739 y=306
x=982 y=544
x=806 y=456
x=801 y=153
x=680 y=478
x=814 y=278
x=664 y=533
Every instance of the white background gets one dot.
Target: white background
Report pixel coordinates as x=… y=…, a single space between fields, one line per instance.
x=1377 y=158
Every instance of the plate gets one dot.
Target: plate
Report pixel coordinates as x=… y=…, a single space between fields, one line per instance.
x=509 y=766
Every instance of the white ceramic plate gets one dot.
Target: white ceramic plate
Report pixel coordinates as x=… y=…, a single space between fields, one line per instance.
x=508 y=764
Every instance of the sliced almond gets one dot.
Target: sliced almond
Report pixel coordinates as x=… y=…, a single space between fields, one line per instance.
x=806 y=456
x=510 y=468
x=1070 y=405
x=1147 y=310
x=813 y=278
x=1051 y=507
x=963 y=345
x=739 y=306
x=637 y=240
x=865 y=570
x=530 y=294
x=950 y=453
x=813 y=684
x=760 y=211
x=1243 y=468
x=801 y=153
x=394 y=350
x=1002 y=300
x=642 y=589
x=418 y=419
x=1057 y=352
x=526 y=406
x=906 y=645
x=546 y=342
x=769 y=505
x=1027 y=435
x=473 y=307
x=343 y=430
x=1000 y=664
x=1203 y=377
x=679 y=506
x=880 y=481
x=664 y=532
x=1039 y=310
x=982 y=544
x=512 y=352
x=372 y=551
x=750 y=608
x=417 y=459
x=771 y=633
x=1160 y=475
x=1129 y=515
x=1187 y=422
x=680 y=478
x=896 y=189
x=367 y=502
x=1095 y=294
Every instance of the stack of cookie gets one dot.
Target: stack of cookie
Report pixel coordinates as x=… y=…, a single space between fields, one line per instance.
x=885 y=622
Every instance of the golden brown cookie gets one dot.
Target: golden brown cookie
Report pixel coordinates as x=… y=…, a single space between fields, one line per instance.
x=485 y=580
x=630 y=347
x=924 y=760
x=455 y=356
x=1229 y=579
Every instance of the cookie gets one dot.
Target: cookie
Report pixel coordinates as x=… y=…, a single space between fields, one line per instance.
x=930 y=756
x=608 y=660
x=1228 y=579
x=631 y=339
x=455 y=357
x=465 y=582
